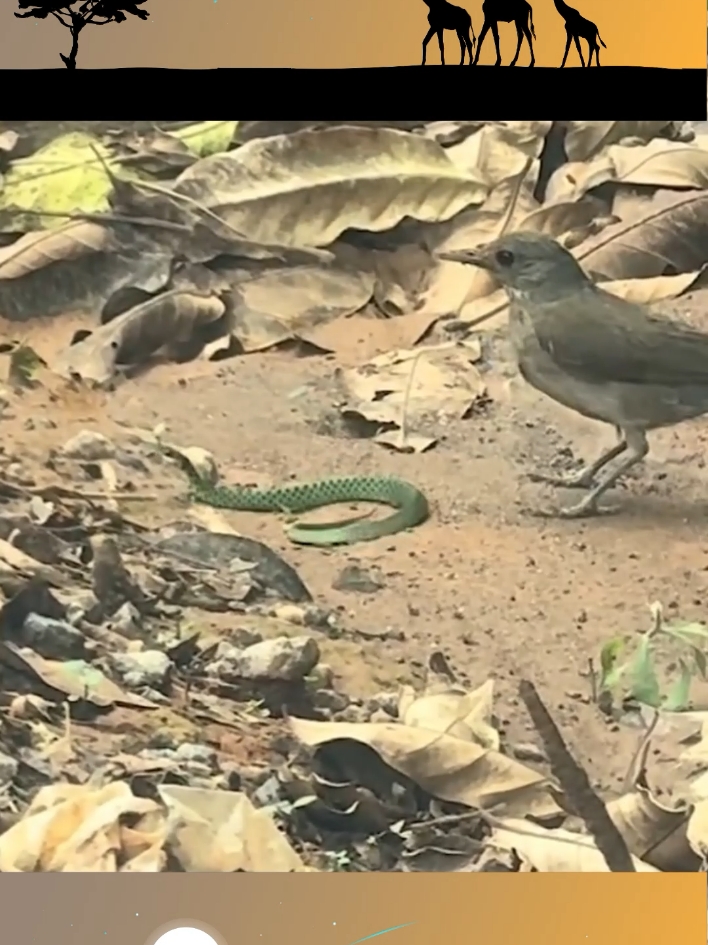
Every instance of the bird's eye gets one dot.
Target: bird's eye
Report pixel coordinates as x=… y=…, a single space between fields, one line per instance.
x=504 y=258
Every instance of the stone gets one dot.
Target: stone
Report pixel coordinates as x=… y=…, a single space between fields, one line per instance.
x=53 y=639
x=143 y=668
x=285 y=658
x=88 y=447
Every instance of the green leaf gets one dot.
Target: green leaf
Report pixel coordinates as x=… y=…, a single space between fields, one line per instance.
x=700 y=660
x=614 y=676
x=685 y=631
x=645 y=685
x=677 y=697
x=65 y=176
x=609 y=655
x=207 y=137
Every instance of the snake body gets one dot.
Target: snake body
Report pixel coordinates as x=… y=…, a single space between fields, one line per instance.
x=410 y=503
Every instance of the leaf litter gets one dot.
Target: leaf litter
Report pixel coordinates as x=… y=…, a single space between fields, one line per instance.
x=192 y=244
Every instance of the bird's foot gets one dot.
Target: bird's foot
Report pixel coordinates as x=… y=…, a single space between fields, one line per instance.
x=579 y=480
x=587 y=508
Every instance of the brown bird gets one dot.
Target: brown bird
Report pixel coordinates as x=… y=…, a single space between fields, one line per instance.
x=605 y=357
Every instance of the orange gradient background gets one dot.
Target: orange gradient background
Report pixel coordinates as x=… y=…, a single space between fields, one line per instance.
x=201 y=34
x=339 y=908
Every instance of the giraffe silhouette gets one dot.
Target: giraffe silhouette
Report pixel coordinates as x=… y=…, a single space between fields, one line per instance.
x=575 y=27
x=446 y=16
x=506 y=11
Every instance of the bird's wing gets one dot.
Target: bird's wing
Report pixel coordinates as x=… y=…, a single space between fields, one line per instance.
x=600 y=337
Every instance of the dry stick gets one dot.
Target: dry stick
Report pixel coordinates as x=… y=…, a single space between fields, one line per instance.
x=576 y=785
x=406 y=398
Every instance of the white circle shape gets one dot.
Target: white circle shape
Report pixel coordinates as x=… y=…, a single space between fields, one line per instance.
x=184 y=935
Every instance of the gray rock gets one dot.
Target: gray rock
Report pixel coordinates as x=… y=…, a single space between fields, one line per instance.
x=53 y=639
x=143 y=668
x=355 y=578
x=126 y=621
x=286 y=658
x=527 y=751
x=330 y=700
x=243 y=636
x=388 y=701
x=89 y=447
x=194 y=753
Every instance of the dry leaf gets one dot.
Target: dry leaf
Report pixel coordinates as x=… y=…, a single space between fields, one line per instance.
x=306 y=188
x=553 y=851
x=660 y=163
x=652 y=832
x=583 y=139
x=450 y=768
x=454 y=711
x=221 y=831
x=654 y=289
x=42 y=248
x=430 y=382
x=670 y=235
x=281 y=304
x=133 y=337
x=357 y=338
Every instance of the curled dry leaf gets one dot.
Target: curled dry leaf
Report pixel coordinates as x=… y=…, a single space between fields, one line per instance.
x=452 y=711
x=425 y=382
x=553 y=851
x=78 y=828
x=171 y=319
x=221 y=831
x=652 y=832
x=306 y=188
x=452 y=769
x=499 y=150
x=35 y=250
x=654 y=289
x=670 y=236
x=660 y=163
x=583 y=139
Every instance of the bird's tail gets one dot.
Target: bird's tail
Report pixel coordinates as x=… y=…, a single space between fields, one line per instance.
x=601 y=42
x=533 y=31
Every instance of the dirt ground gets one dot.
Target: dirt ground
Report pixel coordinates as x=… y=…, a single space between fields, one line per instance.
x=504 y=593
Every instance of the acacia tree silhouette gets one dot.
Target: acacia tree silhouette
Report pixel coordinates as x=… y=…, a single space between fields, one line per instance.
x=89 y=12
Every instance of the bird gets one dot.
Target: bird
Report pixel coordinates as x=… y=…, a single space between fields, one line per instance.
x=607 y=358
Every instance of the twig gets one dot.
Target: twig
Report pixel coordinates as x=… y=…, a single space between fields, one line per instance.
x=406 y=398
x=112 y=218
x=639 y=758
x=576 y=785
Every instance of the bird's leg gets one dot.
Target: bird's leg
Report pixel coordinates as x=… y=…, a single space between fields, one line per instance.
x=636 y=444
x=584 y=478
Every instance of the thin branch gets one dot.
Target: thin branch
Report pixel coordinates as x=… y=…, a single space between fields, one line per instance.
x=63 y=23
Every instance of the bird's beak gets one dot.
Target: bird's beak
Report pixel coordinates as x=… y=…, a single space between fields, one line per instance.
x=469 y=256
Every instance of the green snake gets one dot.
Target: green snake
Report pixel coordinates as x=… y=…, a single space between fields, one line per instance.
x=410 y=503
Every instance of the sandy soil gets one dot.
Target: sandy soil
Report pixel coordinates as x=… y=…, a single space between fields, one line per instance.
x=502 y=592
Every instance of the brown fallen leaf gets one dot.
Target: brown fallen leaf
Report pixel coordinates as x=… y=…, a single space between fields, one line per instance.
x=553 y=851
x=308 y=187
x=404 y=387
x=172 y=319
x=583 y=139
x=42 y=248
x=450 y=768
